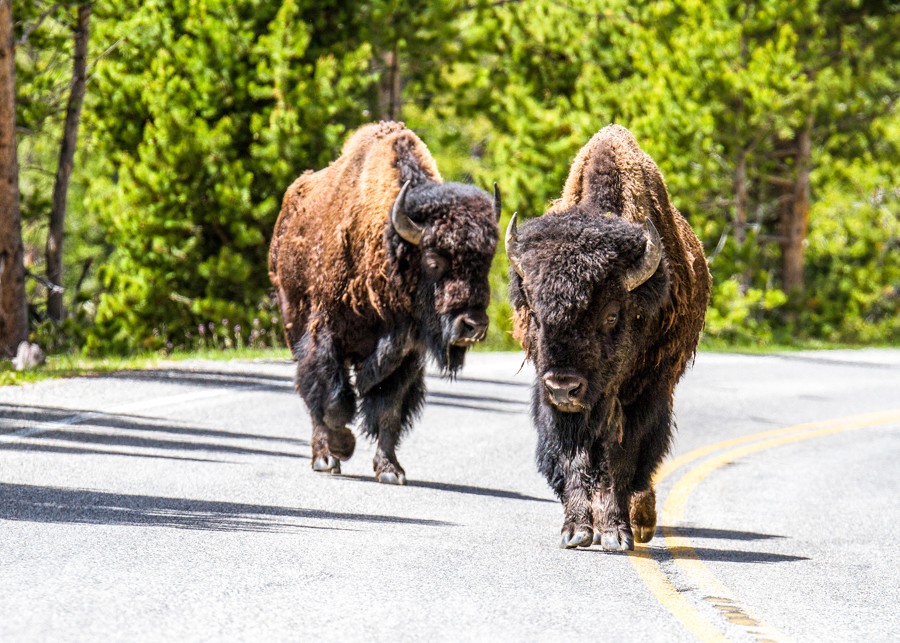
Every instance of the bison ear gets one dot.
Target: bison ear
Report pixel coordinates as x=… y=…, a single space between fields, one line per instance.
x=407 y=229
x=650 y=260
x=512 y=244
x=496 y=203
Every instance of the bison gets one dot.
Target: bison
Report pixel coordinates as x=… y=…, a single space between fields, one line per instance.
x=609 y=290
x=377 y=262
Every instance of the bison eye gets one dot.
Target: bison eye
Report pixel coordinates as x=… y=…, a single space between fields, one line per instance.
x=610 y=316
x=434 y=264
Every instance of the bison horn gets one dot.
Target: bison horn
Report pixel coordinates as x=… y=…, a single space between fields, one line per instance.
x=496 y=203
x=649 y=262
x=405 y=227
x=512 y=245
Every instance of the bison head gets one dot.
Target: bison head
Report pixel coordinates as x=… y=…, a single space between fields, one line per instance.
x=447 y=234
x=587 y=289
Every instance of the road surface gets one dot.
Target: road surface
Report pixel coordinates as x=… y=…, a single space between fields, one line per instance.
x=179 y=504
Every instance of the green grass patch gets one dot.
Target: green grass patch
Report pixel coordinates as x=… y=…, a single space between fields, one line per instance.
x=74 y=365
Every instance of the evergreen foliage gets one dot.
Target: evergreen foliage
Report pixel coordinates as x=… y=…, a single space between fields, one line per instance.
x=199 y=114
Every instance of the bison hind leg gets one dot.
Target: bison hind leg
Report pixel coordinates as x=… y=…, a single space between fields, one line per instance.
x=643 y=515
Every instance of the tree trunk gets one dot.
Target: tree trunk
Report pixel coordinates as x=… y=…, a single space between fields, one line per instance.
x=795 y=213
x=741 y=207
x=389 y=87
x=56 y=232
x=13 y=306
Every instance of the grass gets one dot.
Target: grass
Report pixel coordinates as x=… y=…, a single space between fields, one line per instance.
x=74 y=365
x=712 y=345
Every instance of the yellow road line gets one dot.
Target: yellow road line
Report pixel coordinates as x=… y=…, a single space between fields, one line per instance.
x=676 y=501
x=669 y=467
x=687 y=559
x=670 y=598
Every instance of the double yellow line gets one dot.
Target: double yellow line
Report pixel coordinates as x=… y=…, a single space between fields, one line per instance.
x=701 y=624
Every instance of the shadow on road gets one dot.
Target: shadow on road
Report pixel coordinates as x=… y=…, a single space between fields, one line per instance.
x=480 y=380
x=70 y=450
x=443 y=395
x=119 y=440
x=14 y=417
x=73 y=431
x=31 y=503
x=476 y=402
x=708 y=555
x=457 y=488
x=211 y=378
x=725 y=534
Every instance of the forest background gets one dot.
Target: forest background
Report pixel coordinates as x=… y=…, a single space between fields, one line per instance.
x=774 y=123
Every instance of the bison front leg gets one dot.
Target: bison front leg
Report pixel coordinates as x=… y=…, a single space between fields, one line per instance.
x=577 y=530
x=611 y=496
x=388 y=410
x=324 y=385
x=612 y=529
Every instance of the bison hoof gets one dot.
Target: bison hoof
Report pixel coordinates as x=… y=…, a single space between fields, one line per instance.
x=389 y=477
x=575 y=537
x=643 y=534
x=614 y=540
x=643 y=515
x=327 y=464
x=341 y=443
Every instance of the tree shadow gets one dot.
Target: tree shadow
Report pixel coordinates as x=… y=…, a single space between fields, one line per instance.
x=476 y=402
x=472 y=407
x=71 y=429
x=10 y=414
x=30 y=503
x=212 y=378
x=70 y=450
x=477 y=398
x=708 y=555
x=457 y=488
x=86 y=437
x=480 y=380
x=705 y=532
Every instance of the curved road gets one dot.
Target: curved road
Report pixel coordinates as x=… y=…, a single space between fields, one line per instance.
x=179 y=504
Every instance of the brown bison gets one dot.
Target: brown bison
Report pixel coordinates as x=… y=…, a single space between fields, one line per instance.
x=610 y=289
x=376 y=262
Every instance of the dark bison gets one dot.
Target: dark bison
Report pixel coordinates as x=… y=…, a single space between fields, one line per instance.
x=610 y=289
x=376 y=261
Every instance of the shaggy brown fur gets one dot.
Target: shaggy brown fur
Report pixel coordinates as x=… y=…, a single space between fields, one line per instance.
x=611 y=173
x=358 y=298
x=327 y=246
x=617 y=353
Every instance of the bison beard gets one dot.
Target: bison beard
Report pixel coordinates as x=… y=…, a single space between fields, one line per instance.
x=609 y=289
x=377 y=262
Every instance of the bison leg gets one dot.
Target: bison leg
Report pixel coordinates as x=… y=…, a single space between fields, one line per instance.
x=612 y=530
x=577 y=530
x=324 y=385
x=388 y=410
x=643 y=515
x=643 y=499
x=611 y=495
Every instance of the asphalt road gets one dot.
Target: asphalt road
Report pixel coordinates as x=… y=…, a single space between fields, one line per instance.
x=179 y=504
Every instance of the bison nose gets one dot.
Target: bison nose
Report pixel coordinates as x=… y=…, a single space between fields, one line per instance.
x=566 y=390
x=469 y=328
